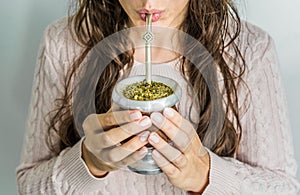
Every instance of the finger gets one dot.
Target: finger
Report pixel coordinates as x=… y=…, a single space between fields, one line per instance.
x=179 y=121
x=137 y=155
x=118 y=118
x=101 y=122
x=123 y=132
x=168 y=168
x=178 y=136
x=117 y=154
x=118 y=134
x=169 y=152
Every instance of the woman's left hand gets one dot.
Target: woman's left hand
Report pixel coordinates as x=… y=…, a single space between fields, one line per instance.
x=186 y=164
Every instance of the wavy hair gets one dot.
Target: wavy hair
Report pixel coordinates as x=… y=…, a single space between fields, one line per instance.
x=214 y=23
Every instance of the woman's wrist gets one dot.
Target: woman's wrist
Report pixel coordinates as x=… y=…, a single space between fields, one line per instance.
x=205 y=179
x=199 y=192
x=91 y=165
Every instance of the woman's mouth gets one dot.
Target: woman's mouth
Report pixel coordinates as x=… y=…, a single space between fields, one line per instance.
x=156 y=14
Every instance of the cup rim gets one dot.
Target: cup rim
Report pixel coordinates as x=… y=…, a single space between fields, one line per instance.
x=148 y=105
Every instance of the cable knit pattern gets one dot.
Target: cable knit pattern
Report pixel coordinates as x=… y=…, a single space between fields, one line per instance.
x=264 y=163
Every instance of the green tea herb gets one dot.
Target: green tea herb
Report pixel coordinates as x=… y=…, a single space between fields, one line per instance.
x=143 y=91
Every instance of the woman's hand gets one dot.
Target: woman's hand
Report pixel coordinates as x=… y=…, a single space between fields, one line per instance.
x=186 y=164
x=101 y=148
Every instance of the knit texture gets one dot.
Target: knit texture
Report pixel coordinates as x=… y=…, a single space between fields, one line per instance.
x=263 y=164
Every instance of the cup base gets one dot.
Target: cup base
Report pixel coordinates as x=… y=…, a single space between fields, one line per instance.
x=145 y=172
x=146 y=165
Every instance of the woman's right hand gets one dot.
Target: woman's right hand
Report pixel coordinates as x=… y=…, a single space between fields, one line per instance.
x=102 y=150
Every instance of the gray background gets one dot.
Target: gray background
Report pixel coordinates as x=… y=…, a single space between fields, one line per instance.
x=23 y=21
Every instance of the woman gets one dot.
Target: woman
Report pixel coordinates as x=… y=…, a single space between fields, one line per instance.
x=252 y=154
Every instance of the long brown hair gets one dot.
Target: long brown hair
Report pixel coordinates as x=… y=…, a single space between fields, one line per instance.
x=215 y=23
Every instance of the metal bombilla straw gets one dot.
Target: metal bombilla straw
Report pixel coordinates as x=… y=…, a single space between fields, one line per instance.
x=148 y=37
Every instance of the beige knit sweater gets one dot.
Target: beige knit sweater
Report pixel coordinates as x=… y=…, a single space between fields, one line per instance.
x=264 y=163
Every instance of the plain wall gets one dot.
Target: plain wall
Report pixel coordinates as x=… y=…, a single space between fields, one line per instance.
x=21 y=26
x=23 y=21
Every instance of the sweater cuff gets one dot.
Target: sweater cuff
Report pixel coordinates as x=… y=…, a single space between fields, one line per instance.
x=222 y=178
x=73 y=172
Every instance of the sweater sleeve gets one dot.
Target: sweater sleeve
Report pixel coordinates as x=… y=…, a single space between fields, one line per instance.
x=41 y=171
x=265 y=162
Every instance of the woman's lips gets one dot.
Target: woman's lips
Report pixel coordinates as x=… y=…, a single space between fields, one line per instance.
x=156 y=14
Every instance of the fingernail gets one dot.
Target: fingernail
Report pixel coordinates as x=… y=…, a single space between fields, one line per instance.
x=135 y=115
x=169 y=112
x=155 y=153
x=157 y=117
x=145 y=122
x=143 y=151
x=144 y=136
x=154 y=138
